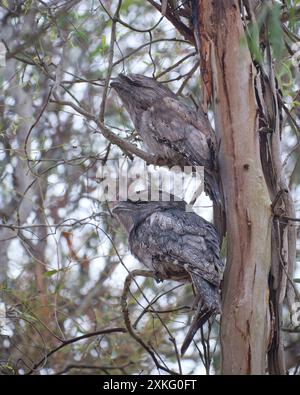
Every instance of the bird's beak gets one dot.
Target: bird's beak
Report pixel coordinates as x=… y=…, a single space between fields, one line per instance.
x=117 y=82
x=119 y=208
x=125 y=82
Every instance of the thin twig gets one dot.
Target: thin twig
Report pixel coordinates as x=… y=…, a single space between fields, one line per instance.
x=110 y=61
x=74 y=340
x=129 y=278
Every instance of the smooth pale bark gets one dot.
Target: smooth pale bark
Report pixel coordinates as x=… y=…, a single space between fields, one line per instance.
x=229 y=69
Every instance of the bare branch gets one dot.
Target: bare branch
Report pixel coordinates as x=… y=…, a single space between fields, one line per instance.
x=148 y=348
x=74 y=340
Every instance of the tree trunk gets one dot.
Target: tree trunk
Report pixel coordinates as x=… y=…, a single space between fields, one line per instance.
x=229 y=78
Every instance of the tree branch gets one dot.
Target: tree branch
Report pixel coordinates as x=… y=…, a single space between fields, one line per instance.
x=74 y=340
x=126 y=290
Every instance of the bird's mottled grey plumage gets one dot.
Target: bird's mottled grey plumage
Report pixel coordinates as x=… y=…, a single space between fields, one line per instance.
x=177 y=245
x=170 y=129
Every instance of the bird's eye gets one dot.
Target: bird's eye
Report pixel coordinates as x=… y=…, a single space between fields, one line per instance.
x=131 y=80
x=138 y=202
x=135 y=83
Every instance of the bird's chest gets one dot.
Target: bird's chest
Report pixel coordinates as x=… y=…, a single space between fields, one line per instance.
x=162 y=264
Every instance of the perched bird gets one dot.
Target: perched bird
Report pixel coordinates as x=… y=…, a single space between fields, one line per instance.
x=169 y=128
x=176 y=245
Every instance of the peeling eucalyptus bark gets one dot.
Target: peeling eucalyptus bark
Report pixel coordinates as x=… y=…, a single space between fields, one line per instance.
x=245 y=326
x=283 y=232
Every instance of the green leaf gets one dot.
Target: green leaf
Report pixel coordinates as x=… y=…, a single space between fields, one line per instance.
x=103 y=41
x=50 y=273
x=100 y=49
x=275 y=32
x=252 y=40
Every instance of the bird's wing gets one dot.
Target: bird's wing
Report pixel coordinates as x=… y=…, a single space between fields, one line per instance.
x=186 y=238
x=180 y=132
x=198 y=119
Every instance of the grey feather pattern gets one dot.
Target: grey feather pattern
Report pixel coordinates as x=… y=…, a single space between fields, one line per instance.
x=169 y=128
x=180 y=246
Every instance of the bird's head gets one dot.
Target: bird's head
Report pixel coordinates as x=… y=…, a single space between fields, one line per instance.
x=131 y=213
x=138 y=93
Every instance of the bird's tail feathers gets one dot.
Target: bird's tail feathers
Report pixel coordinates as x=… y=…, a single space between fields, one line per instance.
x=202 y=315
x=214 y=191
x=212 y=187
